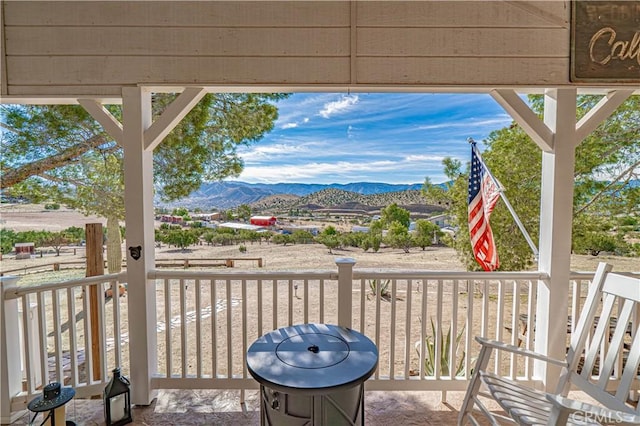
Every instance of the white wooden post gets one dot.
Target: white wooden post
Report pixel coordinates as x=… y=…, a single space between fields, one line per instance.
x=138 y=196
x=556 y=212
x=10 y=368
x=345 y=290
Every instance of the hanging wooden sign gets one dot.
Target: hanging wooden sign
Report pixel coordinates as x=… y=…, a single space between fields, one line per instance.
x=605 y=41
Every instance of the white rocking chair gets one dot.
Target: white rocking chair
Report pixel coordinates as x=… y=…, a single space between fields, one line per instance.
x=594 y=365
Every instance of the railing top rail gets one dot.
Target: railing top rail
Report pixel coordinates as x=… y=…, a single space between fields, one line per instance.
x=243 y=275
x=447 y=275
x=19 y=291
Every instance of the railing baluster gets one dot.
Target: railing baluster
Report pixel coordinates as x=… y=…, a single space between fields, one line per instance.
x=274 y=314
x=73 y=350
x=407 y=336
x=27 y=351
x=499 y=322
x=214 y=328
x=438 y=337
x=469 y=328
x=363 y=296
x=57 y=336
x=244 y=328
x=198 y=290
x=423 y=327
x=260 y=307
x=167 y=328
x=102 y=336
x=453 y=363
x=322 y=301
x=392 y=331
x=515 y=334
x=377 y=337
x=117 y=333
x=306 y=301
x=88 y=335
x=290 y=304
x=183 y=329
x=229 y=331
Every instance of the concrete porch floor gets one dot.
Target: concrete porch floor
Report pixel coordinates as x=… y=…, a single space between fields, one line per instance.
x=207 y=407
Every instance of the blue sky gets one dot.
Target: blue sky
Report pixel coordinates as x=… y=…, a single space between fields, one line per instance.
x=373 y=137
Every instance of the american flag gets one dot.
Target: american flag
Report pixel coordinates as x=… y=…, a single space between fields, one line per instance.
x=483 y=196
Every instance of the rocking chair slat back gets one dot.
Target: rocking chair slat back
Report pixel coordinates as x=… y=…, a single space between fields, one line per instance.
x=599 y=358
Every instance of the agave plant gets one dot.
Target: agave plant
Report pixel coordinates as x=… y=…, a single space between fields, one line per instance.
x=380 y=287
x=446 y=341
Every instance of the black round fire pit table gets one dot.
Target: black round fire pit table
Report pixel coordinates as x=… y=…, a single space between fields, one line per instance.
x=312 y=374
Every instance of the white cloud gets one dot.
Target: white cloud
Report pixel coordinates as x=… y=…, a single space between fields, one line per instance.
x=500 y=121
x=266 y=152
x=411 y=169
x=289 y=125
x=342 y=105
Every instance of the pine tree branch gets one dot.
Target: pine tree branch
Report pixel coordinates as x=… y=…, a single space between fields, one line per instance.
x=13 y=176
x=627 y=173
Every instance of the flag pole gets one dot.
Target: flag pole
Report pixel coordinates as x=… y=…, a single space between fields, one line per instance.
x=526 y=235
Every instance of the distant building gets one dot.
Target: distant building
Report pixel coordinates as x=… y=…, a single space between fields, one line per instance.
x=364 y=229
x=207 y=217
x=25 y=250
x=176 y=220
x=241 y=226
x=292 y=228
x=263 y=220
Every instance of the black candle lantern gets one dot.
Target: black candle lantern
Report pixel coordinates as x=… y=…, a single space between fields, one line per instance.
x=117 y=400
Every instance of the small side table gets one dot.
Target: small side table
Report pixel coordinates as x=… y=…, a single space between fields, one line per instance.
x=312 y=374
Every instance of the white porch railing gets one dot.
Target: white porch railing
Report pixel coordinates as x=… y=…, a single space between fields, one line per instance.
x=206 y=320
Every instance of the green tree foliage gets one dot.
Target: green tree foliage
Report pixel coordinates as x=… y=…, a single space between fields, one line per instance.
x=244 y=212
x=56 y=240
x=182 y=238
x=425 y=233
x=394 y=213
x=8 y=238
x=300 y=236
x=398 y=237
x=330 y=238
x=75 y=234
x=283 y=239
x=606 y=162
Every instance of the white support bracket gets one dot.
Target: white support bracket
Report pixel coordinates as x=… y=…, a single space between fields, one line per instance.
x=600 y=113
x=110 y=124
x=527 y=119
x=174 y=113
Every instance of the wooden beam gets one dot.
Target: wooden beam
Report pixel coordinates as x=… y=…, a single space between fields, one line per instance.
x=600 y=112
x=110 y=124
x=527 y=119
x=174 y=113
x=95 y=266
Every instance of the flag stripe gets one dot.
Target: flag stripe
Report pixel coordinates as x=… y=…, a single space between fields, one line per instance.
x=483 y=196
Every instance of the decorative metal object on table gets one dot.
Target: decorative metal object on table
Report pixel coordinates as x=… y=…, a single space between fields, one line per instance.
x=53 y=400
x=312 y=374
x=117 y=400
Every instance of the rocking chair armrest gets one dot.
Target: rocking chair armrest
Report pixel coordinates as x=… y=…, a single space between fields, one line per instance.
x=496 y=344
x=594 y=412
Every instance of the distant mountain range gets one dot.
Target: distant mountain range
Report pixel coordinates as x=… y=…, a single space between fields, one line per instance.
x=225 y=195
